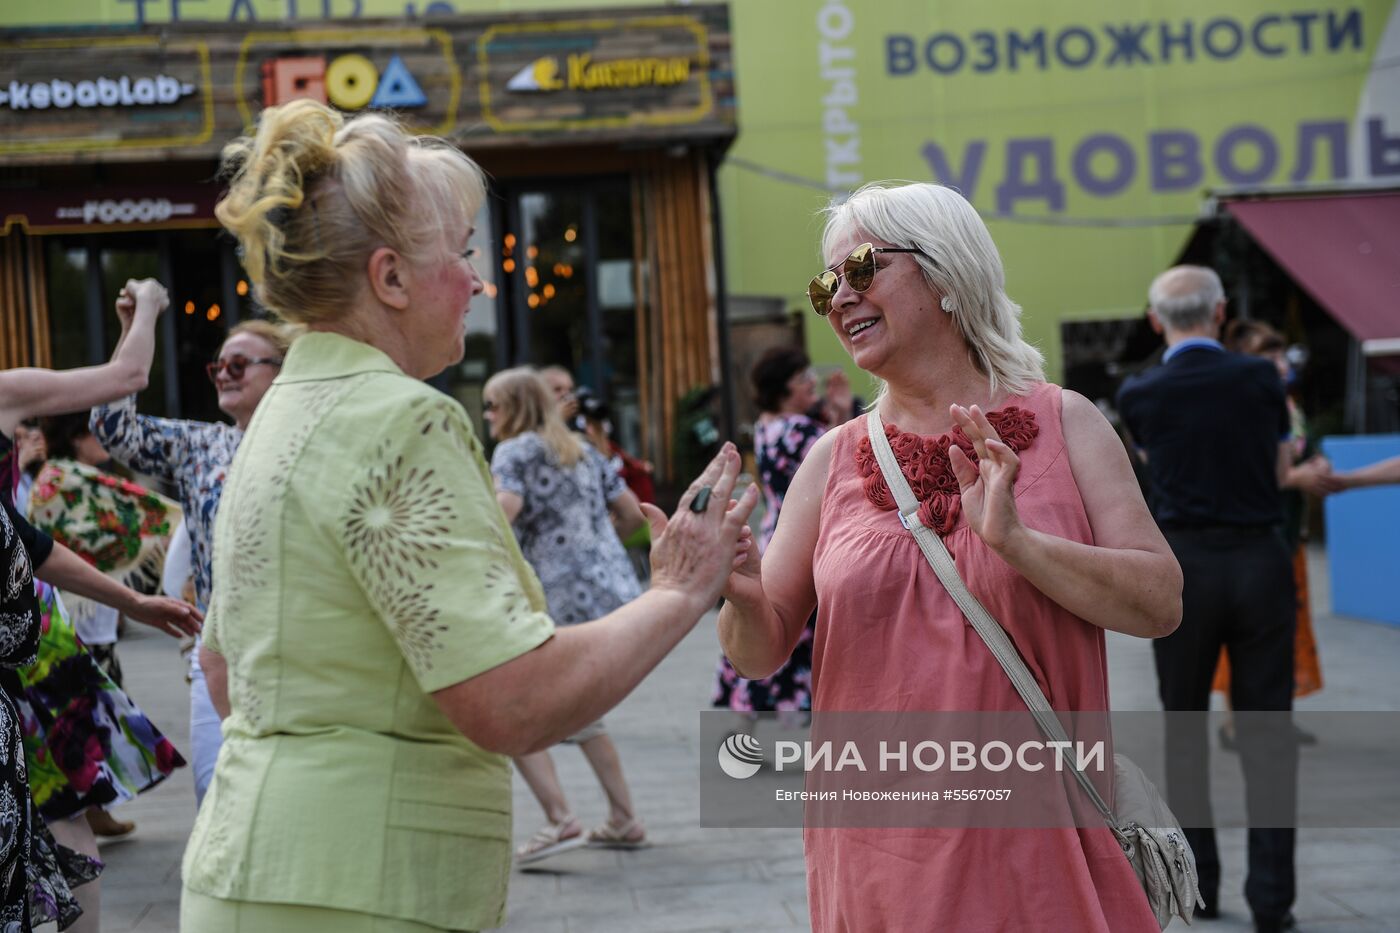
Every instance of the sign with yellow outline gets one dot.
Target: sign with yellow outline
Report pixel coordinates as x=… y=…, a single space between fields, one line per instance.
x=182 y=91
x=597 y=73
x=101 y=92
x=584 y=74
x=348 y=68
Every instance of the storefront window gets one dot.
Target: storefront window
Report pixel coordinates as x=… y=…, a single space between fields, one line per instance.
x=66 y=264
x=84 y=275
x=123 y=258
x=617 y=302
x=566 y=260
x=200 y=305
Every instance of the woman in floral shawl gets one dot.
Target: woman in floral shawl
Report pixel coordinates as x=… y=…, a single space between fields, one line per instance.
x=87 y=742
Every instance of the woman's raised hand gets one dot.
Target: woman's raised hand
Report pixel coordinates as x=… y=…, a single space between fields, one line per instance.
x=146 y=293
x=988 y=487
x=694 y=551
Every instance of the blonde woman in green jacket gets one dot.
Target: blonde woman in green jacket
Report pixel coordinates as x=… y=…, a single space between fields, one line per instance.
x=384 y=643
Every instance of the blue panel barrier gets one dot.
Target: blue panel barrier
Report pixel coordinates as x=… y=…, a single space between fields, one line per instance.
x=1363 y=533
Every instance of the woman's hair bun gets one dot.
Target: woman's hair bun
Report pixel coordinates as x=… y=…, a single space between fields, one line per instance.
x=311 y=196
x=269 y=177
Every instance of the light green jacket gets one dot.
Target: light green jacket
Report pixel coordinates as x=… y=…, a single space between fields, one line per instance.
x=360 y=563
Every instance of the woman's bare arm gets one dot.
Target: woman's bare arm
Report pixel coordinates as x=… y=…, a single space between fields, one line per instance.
x=30 y=393
x=511 y=503
x=768 y=601
x=1377 y=474
x=626 y=513
x=544 y=695
x=215 y=670
x=67 y=571
x=1128 y=580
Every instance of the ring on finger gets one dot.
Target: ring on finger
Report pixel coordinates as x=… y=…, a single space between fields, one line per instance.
x=701 y=501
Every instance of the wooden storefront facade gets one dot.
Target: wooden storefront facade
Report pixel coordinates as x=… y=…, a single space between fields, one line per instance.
x=601 y=131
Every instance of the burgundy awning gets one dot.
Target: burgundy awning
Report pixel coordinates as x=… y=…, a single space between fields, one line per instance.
x=108 y=209
x=1343 y=249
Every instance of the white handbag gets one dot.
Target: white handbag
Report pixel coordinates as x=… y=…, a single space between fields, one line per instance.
x=1144 y=826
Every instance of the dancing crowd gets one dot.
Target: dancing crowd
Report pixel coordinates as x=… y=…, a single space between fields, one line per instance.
x=384 y=619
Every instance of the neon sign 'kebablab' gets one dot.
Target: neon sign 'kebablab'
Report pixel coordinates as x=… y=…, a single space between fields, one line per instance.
x=122 y=91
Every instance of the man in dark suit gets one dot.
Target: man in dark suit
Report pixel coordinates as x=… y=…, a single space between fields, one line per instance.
x=1211 y=425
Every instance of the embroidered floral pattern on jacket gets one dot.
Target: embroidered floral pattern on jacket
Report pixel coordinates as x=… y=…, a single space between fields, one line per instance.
x=398 y=517
x=925 y=464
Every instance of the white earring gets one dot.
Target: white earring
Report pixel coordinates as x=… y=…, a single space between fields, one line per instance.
x=947 y=304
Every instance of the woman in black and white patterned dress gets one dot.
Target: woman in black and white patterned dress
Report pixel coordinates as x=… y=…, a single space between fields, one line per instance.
x=19 y=637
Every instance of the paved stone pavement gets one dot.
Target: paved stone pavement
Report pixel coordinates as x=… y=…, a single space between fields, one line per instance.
x=712 y=880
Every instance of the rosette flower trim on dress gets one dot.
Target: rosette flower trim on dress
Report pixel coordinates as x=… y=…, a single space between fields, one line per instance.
x=925 y=464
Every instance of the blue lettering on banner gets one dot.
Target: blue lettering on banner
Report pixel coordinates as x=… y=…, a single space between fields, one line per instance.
x=987 y=58
x=1124 y=44
x=1079 y=41
x=944 y=64
x=1104 y=165
x=138 y=14
x=1125 y=164
x=1382 y=152
x=1335 y=133
x=1304 y=22
x=1182 y=38
x=246 y=11
x=1128 y=42
x=1174 y=158
x=966 y=181
x=1339 y=30
x=1018 y=185
x=899 y=55
x=1016 y=47
x=1227 y=47
x=1229 y=144
x=1256 y=35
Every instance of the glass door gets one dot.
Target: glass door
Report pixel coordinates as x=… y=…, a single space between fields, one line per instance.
x=566 y=266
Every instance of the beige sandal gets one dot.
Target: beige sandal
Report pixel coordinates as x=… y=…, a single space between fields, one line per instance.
x=629 y=835
x=551 y=839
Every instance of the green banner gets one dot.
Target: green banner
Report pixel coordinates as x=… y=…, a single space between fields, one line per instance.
x=1087 y=134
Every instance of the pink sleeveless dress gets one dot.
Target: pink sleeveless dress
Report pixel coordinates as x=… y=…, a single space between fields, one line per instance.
x=890 y=638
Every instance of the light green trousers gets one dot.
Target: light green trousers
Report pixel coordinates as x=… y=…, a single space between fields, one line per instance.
x=201 y=914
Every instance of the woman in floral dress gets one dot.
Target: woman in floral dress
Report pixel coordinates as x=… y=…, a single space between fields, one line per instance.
x=785 y=390
x=194 y=457
x=561 y=496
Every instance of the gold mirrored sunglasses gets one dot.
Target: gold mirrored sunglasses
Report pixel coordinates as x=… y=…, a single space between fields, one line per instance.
x=858 y=269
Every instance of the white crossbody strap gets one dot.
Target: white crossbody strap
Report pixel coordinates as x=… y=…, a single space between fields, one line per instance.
x=991 y=631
